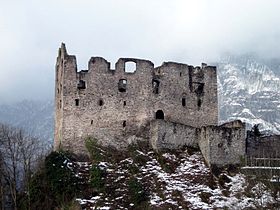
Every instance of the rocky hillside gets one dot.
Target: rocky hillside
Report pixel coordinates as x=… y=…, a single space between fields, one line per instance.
x=143 y=179
x=249 y=91
x=175 y=181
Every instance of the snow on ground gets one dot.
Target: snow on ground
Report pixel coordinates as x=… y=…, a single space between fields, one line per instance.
x=180 y=181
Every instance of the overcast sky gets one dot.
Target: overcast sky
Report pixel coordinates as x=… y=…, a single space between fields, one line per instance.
x=189 y=31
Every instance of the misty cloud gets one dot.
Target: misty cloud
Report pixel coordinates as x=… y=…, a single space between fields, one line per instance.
x=159 y=30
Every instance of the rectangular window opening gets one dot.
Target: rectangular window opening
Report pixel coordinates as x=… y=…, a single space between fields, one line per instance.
x=155 y=86
x=183 y=101
x=122 y=85
x=81 y=85
x=77 y=102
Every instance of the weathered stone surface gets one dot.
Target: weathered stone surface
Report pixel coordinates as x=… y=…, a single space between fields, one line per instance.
x=169 y=135
x=172 y=106
x=263 y=146
x=223 y=145
x=113 y=105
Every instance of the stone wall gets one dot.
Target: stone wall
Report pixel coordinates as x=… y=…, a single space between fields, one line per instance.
x=114 y=105
x=263 y=146
x=170 y=135
x=223 y=145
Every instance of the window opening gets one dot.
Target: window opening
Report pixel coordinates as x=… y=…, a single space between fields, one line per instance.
x=77 y=102
x=159 y=114
x=180 y=74
x=155 y=86
x=91 y=122
x=130 y=67
x=199 y=102
x=122 y=85
x=199 y=89
x=124 y=124
x=100 y=102
x=124 y=103
x=183 y=101
x=81 y=85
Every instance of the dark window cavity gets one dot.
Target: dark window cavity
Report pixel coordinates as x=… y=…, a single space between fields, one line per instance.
x=130 y=67
x=122 y=85
x=159 y=114
x=155 y=86
x=77 y=102
x=81 y=85
x=91 y=122
x=124 y=124
x=100 y=102
x=180 y=74
x=124 y=103
x=199 y=103
x=199 y=88
x=183 y=101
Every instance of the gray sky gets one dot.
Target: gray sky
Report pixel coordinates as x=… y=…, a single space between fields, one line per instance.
x=189 y=31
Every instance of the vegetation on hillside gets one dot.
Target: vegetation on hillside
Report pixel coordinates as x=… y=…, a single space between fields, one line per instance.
x=140 y=178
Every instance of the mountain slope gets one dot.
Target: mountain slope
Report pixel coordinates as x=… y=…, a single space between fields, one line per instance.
x=35 y=117
x=249 y=91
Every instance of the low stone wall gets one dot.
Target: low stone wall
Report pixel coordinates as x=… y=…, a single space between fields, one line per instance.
x=169 y=135
x=263 y=146
x=220 y=145
x=223 y=145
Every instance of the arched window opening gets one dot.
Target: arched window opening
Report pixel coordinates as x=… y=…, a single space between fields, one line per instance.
x=122 y=85
x=155 y=86
x=81 y=85
x=124 y=124
x=159 y=114
x=130 y=67
x=183 y=101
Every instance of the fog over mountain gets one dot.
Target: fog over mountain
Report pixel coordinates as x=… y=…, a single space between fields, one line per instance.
x=191 y=32
x=182 y=31
x=35 y=117
x=249 y=91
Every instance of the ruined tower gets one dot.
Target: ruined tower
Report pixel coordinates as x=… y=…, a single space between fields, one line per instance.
x=116 y=107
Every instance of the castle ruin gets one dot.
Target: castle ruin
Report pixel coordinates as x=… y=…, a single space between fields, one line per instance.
x=172 y=106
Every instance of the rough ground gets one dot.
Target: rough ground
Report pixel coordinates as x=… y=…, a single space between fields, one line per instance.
x=169 y=180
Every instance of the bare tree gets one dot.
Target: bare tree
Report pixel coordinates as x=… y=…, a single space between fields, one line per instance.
x=20 y=153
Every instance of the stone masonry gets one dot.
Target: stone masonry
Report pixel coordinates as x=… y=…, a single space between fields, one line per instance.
x=118 y=107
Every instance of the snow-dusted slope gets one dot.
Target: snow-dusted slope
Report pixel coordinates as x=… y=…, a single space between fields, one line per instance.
x=35 y=117
x=174 y=181
x=249 y=90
